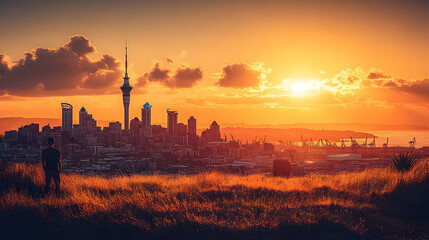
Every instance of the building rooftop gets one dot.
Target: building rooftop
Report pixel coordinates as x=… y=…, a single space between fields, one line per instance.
x=147 y=105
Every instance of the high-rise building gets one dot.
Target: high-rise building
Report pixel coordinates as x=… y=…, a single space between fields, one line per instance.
x=86 y=122
x=115 y=131
x=115 y=127
x=171 y=122
x=82 y=117
x=67 y=118
x=181 y=129
x=215 y=131
x=192 y=126
x=146 y=119
x=28 y=133
x=135 y=125
x=126 y=90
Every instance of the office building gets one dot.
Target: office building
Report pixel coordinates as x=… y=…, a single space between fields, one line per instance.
x=171 y=122
x=192 y=126
x=146 y=120
x=67 y=117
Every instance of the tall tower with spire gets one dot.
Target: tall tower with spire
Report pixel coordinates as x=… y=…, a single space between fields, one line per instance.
x=126 y=90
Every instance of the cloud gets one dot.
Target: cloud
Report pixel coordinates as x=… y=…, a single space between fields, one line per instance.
x=390 y=84
x=66 y=70
x=378 y=75
x=345 y=82
x=157 y=74
x=184 y=77
x=242 y=75
x=350 y=80
x=79 y=45
x=376 y=85
x=419 y=88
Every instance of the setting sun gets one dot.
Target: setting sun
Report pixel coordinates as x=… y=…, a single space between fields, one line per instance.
x=302 y=88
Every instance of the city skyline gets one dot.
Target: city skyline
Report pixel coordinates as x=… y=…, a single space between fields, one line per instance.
x=276 y=63
x=214 y=119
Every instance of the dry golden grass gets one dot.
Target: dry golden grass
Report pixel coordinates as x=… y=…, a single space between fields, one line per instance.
x=375 y=203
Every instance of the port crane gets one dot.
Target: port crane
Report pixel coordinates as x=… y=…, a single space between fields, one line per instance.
x=302 y=139
x=373 y=143
x=327 y=143
x=364 y=144
x=385 y=145
x=343 y=144
x=354 y=142
x=232 y=137
x=413 y=143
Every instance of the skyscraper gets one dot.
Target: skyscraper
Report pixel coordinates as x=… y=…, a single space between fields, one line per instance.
x=192 y=126
x=171 y=122
x=82 y=117
x=146 y=119
x=181 y=129
x=87 y=124
x=67 y=117
x=215 y=131
x=126 y=89
x=135 y=125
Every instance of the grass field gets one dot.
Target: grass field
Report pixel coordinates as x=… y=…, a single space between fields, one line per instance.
x=372 y=204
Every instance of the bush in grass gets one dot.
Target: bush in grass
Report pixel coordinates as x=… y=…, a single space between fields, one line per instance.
x=404 y=161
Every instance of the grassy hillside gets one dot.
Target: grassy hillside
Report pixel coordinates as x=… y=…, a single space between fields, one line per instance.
x=373 y=204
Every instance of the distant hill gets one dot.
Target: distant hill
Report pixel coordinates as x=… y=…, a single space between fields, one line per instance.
x=273 y=135
x=331 y=126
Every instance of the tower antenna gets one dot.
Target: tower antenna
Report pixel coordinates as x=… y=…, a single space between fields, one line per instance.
x=126 y=56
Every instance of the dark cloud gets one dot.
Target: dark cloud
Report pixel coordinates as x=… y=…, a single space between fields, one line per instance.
x=3 y=66
x=378 y=75
x=390 y=84
x=63 y=71
x=239 y=76
x=106 y=72
x=399 y=91
x=420 y=88
x=79 y=45
x=157 y=74
x=184 y=77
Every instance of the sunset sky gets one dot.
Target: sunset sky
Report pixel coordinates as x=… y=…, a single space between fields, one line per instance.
x=255 y=62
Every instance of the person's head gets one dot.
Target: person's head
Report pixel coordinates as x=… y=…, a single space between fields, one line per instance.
x=50 y=141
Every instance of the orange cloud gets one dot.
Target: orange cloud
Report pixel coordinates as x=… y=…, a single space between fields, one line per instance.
x=242 y=75
x=66 y=70
x=184 y=77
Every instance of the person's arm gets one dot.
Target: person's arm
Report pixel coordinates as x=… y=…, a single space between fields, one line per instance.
x=43 y=160
x=60 y=166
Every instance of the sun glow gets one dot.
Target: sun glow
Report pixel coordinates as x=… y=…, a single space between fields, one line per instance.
x=300 y=88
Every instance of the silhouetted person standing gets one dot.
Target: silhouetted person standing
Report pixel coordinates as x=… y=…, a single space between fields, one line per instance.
x=51 y=160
